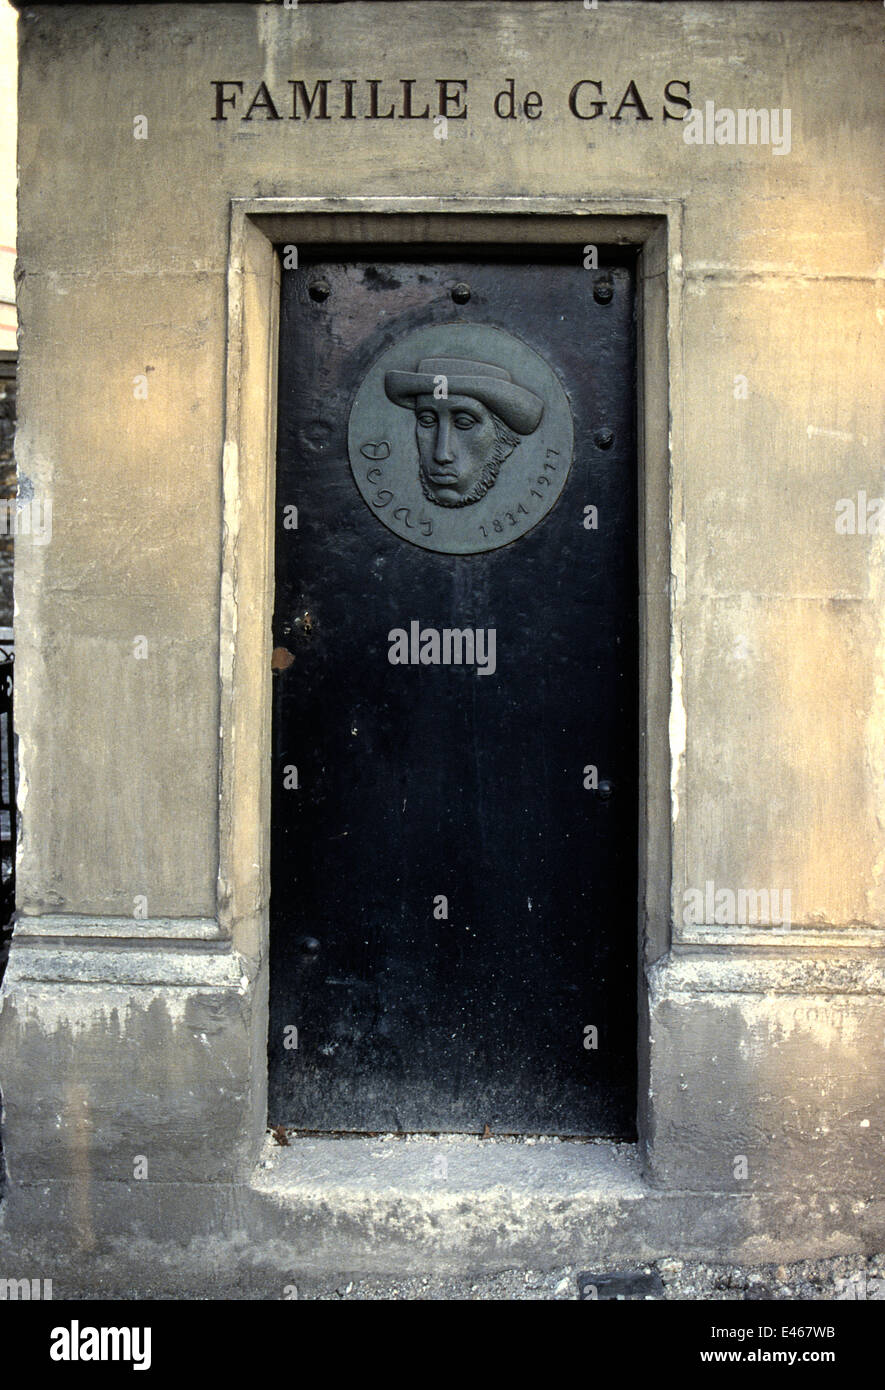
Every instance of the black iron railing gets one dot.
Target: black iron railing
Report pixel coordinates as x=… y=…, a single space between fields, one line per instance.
x=7 y=789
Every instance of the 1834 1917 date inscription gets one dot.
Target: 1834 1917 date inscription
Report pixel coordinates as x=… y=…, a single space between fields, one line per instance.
x=460 y=438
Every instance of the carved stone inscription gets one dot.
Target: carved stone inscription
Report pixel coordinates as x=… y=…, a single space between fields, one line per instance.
x=460 y=438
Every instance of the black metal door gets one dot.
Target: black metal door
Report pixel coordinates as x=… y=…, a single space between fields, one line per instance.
x=453 y=913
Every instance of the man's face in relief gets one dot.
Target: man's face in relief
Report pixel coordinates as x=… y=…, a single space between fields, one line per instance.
x=458 y=448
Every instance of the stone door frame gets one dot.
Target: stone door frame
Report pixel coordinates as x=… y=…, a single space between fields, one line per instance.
x=257 y=227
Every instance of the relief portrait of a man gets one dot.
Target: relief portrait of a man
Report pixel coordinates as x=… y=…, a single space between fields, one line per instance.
x=467 y=433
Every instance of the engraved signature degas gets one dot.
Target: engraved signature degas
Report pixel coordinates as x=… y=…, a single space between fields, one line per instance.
x=375 y=449
x=425 y=524
x=383 y=498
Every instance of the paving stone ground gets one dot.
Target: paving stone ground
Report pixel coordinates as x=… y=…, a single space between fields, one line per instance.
x=845 y=1277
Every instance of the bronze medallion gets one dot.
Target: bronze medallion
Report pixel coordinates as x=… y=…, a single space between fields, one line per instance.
x=460 y=438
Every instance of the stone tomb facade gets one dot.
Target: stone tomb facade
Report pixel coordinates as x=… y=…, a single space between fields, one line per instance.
x=164 y=170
